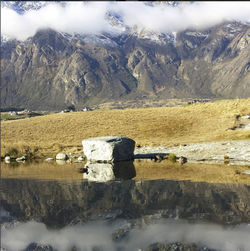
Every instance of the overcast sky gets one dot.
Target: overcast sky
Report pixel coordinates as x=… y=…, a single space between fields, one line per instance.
x=89 y=17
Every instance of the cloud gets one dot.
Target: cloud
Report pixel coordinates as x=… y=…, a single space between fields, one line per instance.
x=165 y=18
x=76 y=17
x=90 y=17
x=99 y=234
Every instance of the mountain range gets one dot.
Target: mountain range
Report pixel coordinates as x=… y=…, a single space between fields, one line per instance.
x=53 y=69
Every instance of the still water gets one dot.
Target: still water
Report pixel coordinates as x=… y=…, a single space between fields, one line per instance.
x=122 y=213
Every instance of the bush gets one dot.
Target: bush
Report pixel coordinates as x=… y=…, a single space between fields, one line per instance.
x=71 y=108
x=19 y=150
x=172 y=157
x=12 y=152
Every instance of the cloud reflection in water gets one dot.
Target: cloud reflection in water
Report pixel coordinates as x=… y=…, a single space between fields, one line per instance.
x=99 y=234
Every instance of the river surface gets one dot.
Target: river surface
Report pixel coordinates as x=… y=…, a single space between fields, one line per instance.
x=122 y=212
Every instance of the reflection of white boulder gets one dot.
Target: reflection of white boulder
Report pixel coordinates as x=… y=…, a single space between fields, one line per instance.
x=60 y=162
x=7 y=159
x=109 y=171
x=124 y=170
x=112 y=149
x=99 y=172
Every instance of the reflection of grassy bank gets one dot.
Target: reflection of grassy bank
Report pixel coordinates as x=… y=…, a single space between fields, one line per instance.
x=43 y=170
x=194 y=172
x=147 y=126
x=145 y=170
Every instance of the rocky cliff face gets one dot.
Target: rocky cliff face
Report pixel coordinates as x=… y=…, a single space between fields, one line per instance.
x=52 y=69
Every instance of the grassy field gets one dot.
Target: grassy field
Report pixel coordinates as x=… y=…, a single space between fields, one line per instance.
x=12 y=117
x=49 y=134
x=6 y=116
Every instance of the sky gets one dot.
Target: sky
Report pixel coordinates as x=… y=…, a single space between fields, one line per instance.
x=90 y=17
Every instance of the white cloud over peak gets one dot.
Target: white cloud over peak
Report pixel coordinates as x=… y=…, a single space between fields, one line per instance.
x=76 y=17
x=90 y=17
x=166 y=18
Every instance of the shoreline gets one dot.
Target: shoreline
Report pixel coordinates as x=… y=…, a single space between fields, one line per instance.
x=233 y=152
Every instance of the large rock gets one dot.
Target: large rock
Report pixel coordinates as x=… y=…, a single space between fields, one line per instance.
x=62 y=156
x=21 y=159
x=49 y=159
x=111 y=149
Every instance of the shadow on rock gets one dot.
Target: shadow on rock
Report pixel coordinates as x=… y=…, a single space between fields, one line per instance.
x=152 y=156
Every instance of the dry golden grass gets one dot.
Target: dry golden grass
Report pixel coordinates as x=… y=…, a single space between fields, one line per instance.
x=147 y=126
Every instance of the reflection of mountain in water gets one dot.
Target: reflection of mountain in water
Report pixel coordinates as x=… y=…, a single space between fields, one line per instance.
x=59 y=203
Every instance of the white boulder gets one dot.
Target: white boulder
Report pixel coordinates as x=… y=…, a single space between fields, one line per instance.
x=21 y=159
x=246 y=172
x=110 y=149
x=80 y=158
x=246 y=117
x=49 y=159
x=61 y=156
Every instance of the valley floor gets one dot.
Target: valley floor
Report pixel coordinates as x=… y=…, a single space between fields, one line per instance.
x=207 y=133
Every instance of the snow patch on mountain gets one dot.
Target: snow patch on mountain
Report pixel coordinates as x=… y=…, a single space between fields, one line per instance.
x=196 y=34
x=98 y=40
x=156 y=37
